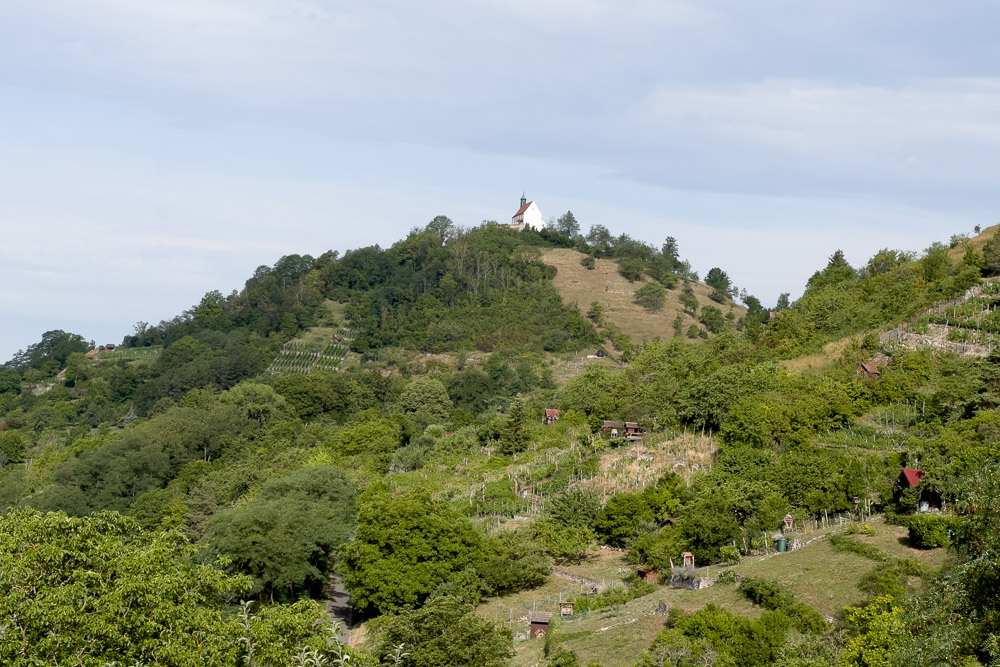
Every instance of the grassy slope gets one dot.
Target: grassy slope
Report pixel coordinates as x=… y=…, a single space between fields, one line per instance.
x=976 y=242
x=815 y=574
x=606 y=286
x=834 y=349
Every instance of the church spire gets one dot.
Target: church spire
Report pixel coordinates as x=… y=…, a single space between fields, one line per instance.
x=524 y=200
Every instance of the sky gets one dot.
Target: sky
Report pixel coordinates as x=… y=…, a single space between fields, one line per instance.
x=154 y=150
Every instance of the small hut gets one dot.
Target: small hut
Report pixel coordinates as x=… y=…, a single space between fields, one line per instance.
x=551 y=416
x=623 y=430
x=538 y=623
x=688 y=559
x=566 y=608
x=927 y=499
x=110 y=347
x=633 y=431
x=868 y=370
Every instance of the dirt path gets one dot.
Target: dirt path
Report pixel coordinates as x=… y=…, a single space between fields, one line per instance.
x=339 y=608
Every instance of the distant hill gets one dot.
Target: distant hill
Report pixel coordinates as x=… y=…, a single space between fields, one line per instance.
x=605 y=285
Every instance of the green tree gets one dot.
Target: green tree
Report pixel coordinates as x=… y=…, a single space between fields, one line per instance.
x=286 y=536
x=718 y=279
x=258 y=402
x=651 y=296
x=441 y=227
x=596 y=313
x=561 y=541
x=55 y=346
x=577 y=507
x=991 y=256
x=314 y=394
x=880 y=627
x=600 y=240
x=446 y=632
x=12 y=446
x=98 y=590
x=678 y=324
x=515 y=437
x=567 y=224
x=10 y=382
x=689 y=300
x=620 y=518
x=403 y=548
x=935 y=264
x=631 y=269
x=713 y=319
x=426 y=398
x=511 y=562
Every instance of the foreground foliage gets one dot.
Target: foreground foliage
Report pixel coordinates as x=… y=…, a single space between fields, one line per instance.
x=99 y=590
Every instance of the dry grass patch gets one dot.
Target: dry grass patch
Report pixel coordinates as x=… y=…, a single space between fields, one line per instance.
x=606 y=286
x=632 y=467
x=830 y=353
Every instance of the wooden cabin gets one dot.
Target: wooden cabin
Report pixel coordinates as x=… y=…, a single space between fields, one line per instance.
x=633 y=431
x=868 y=370
x=927 y=499
x=551 y=416
x=538 y=623
x=623 y=430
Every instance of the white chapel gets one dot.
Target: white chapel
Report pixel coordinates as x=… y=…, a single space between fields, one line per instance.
x=527 y=216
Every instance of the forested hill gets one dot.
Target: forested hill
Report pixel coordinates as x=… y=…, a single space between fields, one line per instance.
x=442 y=489
x=441 y=289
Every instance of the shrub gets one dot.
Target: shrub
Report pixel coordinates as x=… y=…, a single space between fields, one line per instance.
x=728 y=577
x=842 y=544
x=588 y=263
x=927 y=531
x=729 y=554
x=631 y=269
x=615 y=596
x=774 y=597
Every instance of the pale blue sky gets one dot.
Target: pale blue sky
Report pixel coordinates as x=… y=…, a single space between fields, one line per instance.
x=151 y=151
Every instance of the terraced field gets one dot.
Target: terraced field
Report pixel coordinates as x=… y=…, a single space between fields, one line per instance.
x=326 y=350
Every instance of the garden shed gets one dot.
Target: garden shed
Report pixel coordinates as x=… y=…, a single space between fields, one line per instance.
x=538 y=623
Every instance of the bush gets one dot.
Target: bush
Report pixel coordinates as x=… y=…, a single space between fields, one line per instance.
x=727 y=577
x=928 y=531
x=615 y=596
x=631 y=269
x=713 y=319
x=588 y=263
x=842 y=544
x=774 y=597
x=729 y=554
